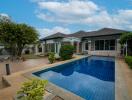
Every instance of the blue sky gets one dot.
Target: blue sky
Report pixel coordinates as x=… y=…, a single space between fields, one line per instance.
x=68 y=16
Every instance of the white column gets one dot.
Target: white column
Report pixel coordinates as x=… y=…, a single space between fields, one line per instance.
x=78 y=46
x=42 y=45
x=118 y=47
x=72 y=43
x=82 y=46
x=55 y=47
x=89 y=45
x=36 y=49
x=59 y=46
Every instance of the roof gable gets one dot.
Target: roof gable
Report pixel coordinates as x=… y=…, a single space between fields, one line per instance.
x=56 y=35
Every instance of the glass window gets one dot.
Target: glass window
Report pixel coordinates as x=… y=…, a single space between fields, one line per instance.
x=86 y=46
x=40 y=49
x=52 y=47
x=105 y=45
x=97 y=45
x=101 y=45
x=112 y=44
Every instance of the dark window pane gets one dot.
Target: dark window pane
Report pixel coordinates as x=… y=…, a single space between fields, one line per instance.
x=52 y=47
x=40 y=49
x=112 y=42
x=107 y=44
x=86 y=46
x=101 y=45
x=112 y=48
x=97 y=45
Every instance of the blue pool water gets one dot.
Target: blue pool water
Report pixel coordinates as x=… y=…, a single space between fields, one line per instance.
x=91 y=78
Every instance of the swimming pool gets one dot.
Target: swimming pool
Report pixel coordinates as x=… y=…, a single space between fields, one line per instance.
x=91 y=78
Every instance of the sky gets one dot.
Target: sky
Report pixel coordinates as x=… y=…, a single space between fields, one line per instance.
x=69 y=16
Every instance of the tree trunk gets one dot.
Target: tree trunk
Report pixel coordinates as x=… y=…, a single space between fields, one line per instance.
x=13 y=52
x=20 y=48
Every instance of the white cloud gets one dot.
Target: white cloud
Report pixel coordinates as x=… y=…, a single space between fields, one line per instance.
x=70 y=8
x=83 y=12
x=46 y=31
x=5 y=15
x=67 y=12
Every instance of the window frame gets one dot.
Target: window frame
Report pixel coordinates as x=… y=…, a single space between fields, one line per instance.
x=84 y=46
x=104 y=45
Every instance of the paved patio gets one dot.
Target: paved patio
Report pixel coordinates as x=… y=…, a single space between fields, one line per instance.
x=123 y=81
x=20 y=66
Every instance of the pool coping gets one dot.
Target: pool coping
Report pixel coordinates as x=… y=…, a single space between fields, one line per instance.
x=54 y=89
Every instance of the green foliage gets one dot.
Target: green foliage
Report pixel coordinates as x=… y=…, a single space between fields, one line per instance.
x=16 y=36
x=51 y=57
x=33 y=89
x=128 y=60
x=125 y=36
x=66 y=52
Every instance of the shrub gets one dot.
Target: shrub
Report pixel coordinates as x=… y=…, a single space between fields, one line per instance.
x=66 y=52
x=128 y=60
x=51 y=57
x=32 y=90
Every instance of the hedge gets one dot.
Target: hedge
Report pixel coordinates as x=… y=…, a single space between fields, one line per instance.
x=128 y=60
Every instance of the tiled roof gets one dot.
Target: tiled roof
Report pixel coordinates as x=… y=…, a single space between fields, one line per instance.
x=104 y=31
x=56 y=35
x=81 y=34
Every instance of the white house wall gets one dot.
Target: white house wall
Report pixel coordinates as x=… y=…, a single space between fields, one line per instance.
x=103 y=53
x=92 y=50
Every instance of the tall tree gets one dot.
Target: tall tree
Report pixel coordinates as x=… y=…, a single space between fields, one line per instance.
x=26 y=35
x=7 y=36
x=17 y=36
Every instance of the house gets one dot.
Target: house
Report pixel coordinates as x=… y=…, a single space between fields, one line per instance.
x=104 y=42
